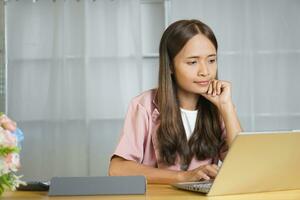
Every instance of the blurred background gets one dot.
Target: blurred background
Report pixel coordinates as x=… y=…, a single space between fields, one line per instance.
x=70 y=67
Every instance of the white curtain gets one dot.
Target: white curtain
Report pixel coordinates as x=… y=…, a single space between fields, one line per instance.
x=73 y=66
x=259 y=53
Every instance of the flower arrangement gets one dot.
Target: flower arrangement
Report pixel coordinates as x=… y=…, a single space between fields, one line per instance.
x=9 y=154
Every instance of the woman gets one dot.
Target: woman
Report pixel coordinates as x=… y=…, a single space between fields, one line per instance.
x=179 y=131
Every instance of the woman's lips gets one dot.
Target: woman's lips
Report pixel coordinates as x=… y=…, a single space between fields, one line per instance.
x=202 y=83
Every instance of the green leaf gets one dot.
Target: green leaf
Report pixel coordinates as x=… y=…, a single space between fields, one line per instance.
x=7 y=150
x=6 y=182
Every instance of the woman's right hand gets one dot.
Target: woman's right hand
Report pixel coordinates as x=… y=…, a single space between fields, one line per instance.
x=205 y=172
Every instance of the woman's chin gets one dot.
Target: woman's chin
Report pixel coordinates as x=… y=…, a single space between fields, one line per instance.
x=202 y=90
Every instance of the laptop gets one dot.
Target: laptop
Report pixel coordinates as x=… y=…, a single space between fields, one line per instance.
x=256 y=162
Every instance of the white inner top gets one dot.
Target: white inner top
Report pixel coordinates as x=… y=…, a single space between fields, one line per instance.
x=189 y=120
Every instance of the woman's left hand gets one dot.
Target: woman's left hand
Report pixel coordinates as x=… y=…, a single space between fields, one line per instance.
x=219 y=93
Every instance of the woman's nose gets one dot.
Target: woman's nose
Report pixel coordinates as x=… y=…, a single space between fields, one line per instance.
x=202 y=69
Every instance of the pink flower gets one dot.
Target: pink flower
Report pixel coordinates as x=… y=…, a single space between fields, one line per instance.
x=9 y=158
x=7 y=123
x=12 y=162
x=7 y=139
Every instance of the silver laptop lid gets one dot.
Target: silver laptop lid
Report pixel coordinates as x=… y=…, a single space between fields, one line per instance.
x=260 y=162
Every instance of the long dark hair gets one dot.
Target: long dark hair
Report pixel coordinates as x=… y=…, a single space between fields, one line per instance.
x=172 y=141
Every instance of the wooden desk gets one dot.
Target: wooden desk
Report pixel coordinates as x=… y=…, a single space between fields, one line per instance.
x=159 y=192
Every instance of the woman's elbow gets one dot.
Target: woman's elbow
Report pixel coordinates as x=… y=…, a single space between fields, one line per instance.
x=114 y=167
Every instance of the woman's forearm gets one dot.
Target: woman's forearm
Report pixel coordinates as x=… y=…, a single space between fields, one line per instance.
x=121 y=167
x=232 y=123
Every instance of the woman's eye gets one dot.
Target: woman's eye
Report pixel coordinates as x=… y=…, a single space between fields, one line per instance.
x=211 y=61
x=191 y=62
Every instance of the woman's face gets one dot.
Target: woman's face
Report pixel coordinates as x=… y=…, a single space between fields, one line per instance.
x=195 y=66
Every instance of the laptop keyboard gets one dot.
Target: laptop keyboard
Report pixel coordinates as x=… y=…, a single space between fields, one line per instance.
x=203 y=186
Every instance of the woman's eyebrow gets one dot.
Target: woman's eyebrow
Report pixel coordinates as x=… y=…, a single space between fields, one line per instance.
x=210 y=55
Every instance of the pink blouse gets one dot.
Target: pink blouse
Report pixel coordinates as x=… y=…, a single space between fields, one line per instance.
x=138 y=136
